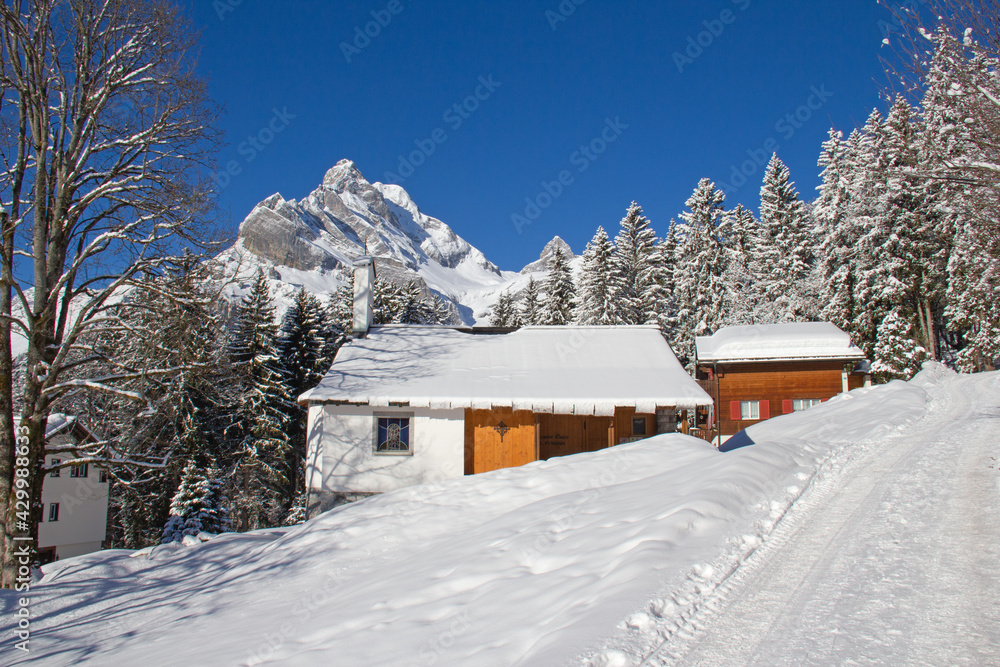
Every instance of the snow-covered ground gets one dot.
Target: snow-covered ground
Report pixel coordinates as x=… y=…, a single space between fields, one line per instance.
x=861 y=531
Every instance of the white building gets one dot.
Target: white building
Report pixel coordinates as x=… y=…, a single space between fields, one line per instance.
x=74 y=496
x=406 y=405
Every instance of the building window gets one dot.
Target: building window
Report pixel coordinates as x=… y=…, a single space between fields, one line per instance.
x=638 y=426
x=102 y=476
x=749 y=409
x=393 y=434
x=53 y=511
x=800 y=404
x=55 y=462
x=79 y=470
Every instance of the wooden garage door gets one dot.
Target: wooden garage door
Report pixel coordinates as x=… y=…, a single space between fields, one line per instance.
x=486 y=449
x=561 y=435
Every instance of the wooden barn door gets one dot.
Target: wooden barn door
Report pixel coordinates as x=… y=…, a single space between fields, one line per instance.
x=497 y=439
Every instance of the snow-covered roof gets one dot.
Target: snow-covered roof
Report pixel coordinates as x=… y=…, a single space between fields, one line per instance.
x=58 y=422
x=792 y=340
x=563 y=370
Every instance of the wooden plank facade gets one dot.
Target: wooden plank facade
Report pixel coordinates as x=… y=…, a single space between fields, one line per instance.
x=504 y=438
x=773 y=386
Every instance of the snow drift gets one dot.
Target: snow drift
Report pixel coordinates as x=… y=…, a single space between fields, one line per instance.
x=532 y=565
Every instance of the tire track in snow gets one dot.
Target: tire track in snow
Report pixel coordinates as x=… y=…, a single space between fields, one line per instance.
x=772 y=594
x=702 y=605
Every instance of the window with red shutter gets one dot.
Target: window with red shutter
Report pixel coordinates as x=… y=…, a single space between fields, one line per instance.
x=786 y=406
x=765 y=409
x=734 y=410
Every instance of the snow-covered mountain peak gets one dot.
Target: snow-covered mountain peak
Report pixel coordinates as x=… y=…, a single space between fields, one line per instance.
x=548 y=252
x=273 y=202
x=313 y=241
x=345 y=177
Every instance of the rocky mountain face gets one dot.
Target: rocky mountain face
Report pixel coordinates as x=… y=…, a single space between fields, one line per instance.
x=312 y=243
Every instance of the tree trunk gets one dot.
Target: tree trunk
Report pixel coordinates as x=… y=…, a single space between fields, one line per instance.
x=931 y=332
x=8 y=573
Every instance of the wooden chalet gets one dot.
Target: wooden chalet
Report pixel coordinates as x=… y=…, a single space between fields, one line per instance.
x=762 y=371
x=414 y=404
x=405 y=404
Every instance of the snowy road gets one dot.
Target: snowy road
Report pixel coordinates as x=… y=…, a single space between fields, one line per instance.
x=896 y=560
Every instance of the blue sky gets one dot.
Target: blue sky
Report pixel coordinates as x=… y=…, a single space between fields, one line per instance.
x=621 y=100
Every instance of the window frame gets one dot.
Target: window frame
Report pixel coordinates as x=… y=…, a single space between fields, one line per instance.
x=813 y=402
x=749 y=410
x=102 y=476
x=80 y=471
x=642 y=432
x=53 y=512
x=409 y=436
x=55 y=472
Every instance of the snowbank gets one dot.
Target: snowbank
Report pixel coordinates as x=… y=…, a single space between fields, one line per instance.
x=529 y=565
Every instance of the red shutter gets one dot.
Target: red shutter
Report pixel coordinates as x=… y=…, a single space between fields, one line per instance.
x=824 y=400
x=734 y=410
x=786 y=406
x=765 y=409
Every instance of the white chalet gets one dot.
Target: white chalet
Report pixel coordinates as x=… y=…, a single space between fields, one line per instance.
x=404 y=405
x=74 y=517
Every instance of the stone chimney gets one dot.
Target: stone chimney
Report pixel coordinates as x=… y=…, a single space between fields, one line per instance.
x=364 y=296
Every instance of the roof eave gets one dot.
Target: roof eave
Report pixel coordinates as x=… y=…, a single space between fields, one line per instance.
x=735 y=360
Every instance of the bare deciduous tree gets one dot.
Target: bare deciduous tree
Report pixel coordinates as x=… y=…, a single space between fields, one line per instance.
x=104 y=128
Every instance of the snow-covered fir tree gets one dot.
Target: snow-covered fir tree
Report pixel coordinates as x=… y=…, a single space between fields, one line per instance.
x=838 y=228
x=340 y=312
x=304 y=350
x=960 y=160
x=395 y=304
x=699 y=271
x=917 y=248
x=504 y=312
x=744 y=301
x=596 y=304
x=198 y=506
x=637 y=271
x=215 y=517
x=531 y=306
x=896 y=354
x=261 y=473
x=782 y=255
x=186 y=505
x=414 y=308
x=303 y=341
x=560 y=292
x=973 y=299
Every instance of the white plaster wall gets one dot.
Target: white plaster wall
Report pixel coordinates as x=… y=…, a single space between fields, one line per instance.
x=70 y=550
x=342 y=457
x=83 y=510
